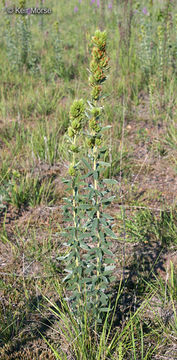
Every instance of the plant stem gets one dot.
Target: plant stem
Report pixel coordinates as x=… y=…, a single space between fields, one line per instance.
x=75 y=220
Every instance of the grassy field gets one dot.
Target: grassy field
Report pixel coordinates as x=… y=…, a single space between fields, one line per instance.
x=44 y=66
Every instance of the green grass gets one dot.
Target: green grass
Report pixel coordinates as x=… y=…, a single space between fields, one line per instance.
x=36 y=93
x=145 y=226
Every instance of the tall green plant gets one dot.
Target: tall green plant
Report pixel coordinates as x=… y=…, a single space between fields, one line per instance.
x=73 y=210
x=89 y=260
x=58 y=65
x=11 y=46
x=19 y=44
x=99 y=224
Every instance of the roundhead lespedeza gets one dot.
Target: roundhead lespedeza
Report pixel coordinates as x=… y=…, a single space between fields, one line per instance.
x=89 y=261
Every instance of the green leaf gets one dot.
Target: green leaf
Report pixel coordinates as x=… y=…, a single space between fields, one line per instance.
x=66 y=257
x=103 y=163
x=87 y=280
x=110 y=181
x=103 y=285
x=104 y=222
x=105 y=280
x=106 y=216
x=93 y=250
x=102 y=236
x=91 y=194
x=65 y=181
x=110 y=199
x=107 y=252
x=94 y=224
x=85 y=207
x=68 y=201
x=64 y=234
x=110 y=233
x=105 y=127
x=79 y=271
x=87 y=175
x=104 y=299
x=84 y=246
x=68 y=205
x=92 y=213
x=99 y=253
x=95 y=175
x=77 y=165
x=109 y=268
x=104 y=309
x=109 y=261
x=67 y=277
x=89 y=269
x=85 y=235
x=87 y=164
x=107 y=273
x=103 y=150
x=105 y=192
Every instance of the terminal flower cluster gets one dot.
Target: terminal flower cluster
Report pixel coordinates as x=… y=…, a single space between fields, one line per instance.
x=77 y=112
x=98 y=65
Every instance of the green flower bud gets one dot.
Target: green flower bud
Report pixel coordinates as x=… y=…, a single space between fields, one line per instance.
x=98 y=142
x=137 y=5
x=70 y=132
x=96 y=92
x=97 y=129
x=92 y=81
x=94 y=125
x=96 y=112
x=99 y=76
x=103 y=62
x=74 y=148
x=77 y=109
x=91 y=142
x=72 y=171
x=100 y=39
x=93 y=66
x=56 y=26
x=97 y=54
x=22 y=3
x=15 y=173
x=76 y=124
